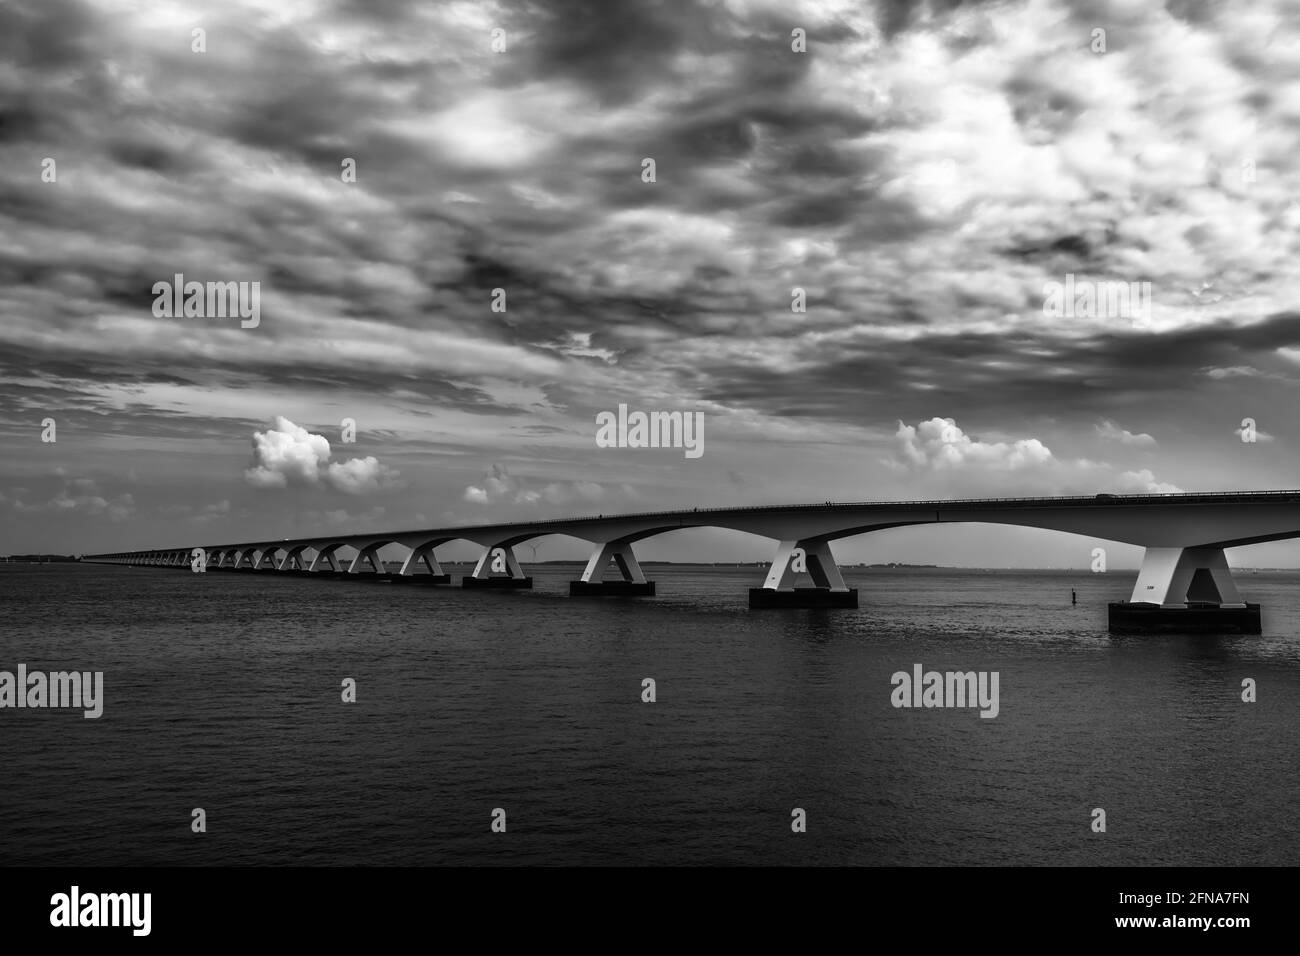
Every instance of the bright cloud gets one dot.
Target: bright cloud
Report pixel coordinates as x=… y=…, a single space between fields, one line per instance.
x=287 y=454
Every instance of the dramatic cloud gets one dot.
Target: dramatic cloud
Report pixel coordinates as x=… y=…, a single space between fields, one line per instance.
x=286 y=452
x=289 y=454
x=913 y=181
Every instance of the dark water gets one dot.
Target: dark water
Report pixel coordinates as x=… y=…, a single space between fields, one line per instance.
x=223 y=692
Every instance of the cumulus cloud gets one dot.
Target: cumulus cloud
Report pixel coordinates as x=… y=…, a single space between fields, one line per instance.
x=959 y=464
x=1141 y=483
x=358 y=475
x=939 y=444
x=288 y=454
x=1112 y=432
x=501 y=486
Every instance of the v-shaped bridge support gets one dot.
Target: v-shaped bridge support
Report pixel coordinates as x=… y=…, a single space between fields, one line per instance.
x=1177 y=577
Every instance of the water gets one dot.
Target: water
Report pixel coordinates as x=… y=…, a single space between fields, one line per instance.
x=223 y=692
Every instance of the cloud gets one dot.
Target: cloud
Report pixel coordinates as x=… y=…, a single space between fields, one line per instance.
x=939 y=444
x=288 y=454
x=359 y=476
x=922 y=171
x=1260 y=434
x=499 y=486
x=1141 y=483
x=947 y=461
x=80 y=497
x=341 y=518
x=1243 y=371
x=578 y=345
x=937 y=163
x=212 y=512
x=1112 y=432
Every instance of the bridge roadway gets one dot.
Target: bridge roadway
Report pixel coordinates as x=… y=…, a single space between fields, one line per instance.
x=1184 y=582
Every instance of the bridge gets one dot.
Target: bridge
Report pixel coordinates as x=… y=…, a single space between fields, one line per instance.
x=1184 y=583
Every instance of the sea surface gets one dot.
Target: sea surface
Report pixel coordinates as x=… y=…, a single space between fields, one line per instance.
x=223 y=692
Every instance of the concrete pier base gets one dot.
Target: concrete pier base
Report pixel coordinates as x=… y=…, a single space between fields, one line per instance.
x=802 y=597
x=1130 y=618
x=420 y=578
x=611 y=588
x=469 y=581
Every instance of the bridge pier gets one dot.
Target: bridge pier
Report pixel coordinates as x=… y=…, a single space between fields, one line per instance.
x=1184 y=590
x=633 y=581
x=369 y=555
x=292 y=560
x=811 y=556
x=421 y=555
x=500 y=558
x=324 y=556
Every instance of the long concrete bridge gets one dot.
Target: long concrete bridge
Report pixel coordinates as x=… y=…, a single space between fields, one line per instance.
x=1184 y=582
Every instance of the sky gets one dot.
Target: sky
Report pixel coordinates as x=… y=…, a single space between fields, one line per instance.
x=843 y=258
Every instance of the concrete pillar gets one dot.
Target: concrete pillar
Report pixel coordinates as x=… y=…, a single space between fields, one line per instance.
x=621 y=553
x=633 y=581
x=325 y=556
x=811 y=557
x=808 y=556
x=501 y=559
x=368 y=554
x=1185 y=591
x=1171 y=577
x=422 y=555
